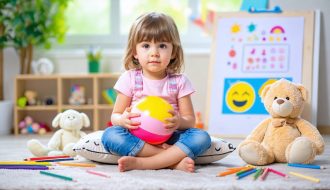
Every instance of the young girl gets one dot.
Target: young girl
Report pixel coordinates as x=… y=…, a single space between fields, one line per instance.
x=153 y=61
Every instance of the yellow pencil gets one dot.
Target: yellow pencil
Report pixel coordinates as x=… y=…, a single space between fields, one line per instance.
x=313 y=179
x=76 y=164
x=249 y=165
x=25 y=163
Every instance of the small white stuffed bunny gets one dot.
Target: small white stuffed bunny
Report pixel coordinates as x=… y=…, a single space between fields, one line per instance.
x=61 y=143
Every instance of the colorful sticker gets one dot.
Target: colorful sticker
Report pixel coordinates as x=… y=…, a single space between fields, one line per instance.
x=274 y=58
x=235 y=28
x=251 y=27
x=242 y=95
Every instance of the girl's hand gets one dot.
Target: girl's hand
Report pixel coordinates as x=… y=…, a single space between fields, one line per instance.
x=173 y=123
x=126 y=119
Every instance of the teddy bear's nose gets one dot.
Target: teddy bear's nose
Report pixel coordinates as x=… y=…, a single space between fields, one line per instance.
x=280 y=101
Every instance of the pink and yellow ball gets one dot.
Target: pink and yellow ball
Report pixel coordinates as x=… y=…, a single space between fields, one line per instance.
x=154 y=111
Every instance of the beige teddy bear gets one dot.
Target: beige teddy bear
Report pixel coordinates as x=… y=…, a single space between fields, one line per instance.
x=63 y=140
x=284 y=137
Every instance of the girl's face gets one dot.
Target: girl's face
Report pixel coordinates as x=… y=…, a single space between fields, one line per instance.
x=154 y=58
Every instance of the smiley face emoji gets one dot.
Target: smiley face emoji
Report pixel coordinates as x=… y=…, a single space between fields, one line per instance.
x=240 y=97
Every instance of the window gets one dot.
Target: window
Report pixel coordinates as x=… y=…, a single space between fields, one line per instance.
x=83 y=19
x=106 y=23
x=130 y=10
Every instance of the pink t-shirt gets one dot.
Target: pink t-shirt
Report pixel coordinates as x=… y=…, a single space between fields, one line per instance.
x=126 y=86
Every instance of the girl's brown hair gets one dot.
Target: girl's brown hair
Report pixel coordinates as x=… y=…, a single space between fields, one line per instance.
x=156 y=27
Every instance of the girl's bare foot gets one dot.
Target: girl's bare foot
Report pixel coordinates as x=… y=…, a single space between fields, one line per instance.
x=127 y=163
x=186 y=164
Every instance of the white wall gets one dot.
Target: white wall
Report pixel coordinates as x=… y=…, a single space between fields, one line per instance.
x=11 y=68
x=196 y=62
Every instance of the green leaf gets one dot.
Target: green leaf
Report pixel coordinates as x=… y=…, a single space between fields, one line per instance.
x=33 y=21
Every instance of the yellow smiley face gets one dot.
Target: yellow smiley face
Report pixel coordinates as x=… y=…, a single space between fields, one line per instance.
x=240 y=97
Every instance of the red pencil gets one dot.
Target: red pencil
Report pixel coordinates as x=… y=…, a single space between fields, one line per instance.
x=45 y=158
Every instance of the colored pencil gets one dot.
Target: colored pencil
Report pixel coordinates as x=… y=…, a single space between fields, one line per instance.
x=264 y=174
x=239 y=168
x=56 y=160
x=278 y=173
x=24 y=167
x=246 y=173
x=75 y=164
x=25 y=163
x=228 y=172
x=98 y=173
x=258 y=173
x=57 y=176
x=313 y=179
x=306 y=166
x=232 y=171
x=243 y=171
x=45 y=158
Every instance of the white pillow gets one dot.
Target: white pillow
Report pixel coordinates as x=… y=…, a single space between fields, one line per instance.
x=91 y=147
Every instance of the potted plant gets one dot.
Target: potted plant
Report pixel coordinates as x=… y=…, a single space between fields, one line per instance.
x=94 y=56
x=3 y=41
x=26 y=24
x=35 y=23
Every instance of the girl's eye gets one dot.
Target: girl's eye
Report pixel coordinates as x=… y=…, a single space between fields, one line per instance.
x=163 y=46
x=287 y=98
x=145 y=46
x=275 y=98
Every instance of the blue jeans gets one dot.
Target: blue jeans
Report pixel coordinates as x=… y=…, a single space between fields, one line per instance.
x=191 y=141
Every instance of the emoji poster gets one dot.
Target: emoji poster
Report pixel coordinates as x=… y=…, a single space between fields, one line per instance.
x=249 y=54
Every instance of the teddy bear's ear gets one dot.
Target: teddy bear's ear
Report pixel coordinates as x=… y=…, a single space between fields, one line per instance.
x=86 y=122
x=303 y=91
x=56 y=120
x=264 y=91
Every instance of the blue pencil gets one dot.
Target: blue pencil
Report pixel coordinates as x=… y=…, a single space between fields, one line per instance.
x=306 y=166
x=246 y=173
x=55 y=160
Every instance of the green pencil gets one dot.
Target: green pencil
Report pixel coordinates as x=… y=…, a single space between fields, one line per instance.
x=258 y=173
x=243 y=171
x=57 y=176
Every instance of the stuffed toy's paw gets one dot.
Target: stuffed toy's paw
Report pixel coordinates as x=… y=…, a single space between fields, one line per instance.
x=301 y=150
x=36 y=148
x=252 y=152
x=68 y=150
